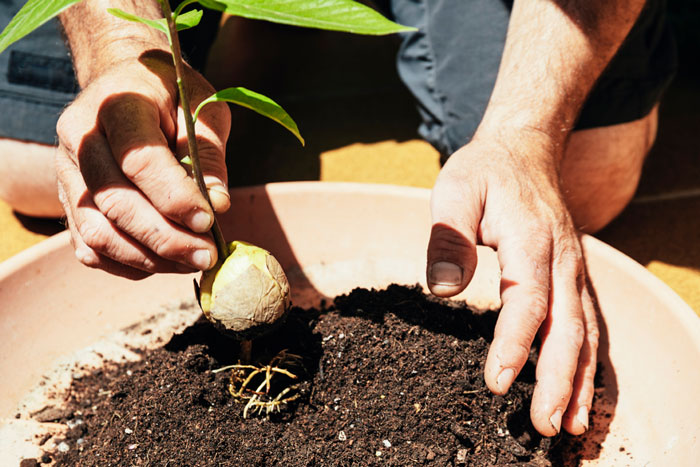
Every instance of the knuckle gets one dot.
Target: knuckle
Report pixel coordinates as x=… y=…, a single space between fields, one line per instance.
x=62 y=196
x=569 y=257
x=94 y=235
x=520 y=353
x=575 y=333
x=113 y=205
x=165 y=188
x=536 y=239
x=90 y=260
x=178 y=200
x=539 y=303
x=62 y=176
x=446 y=242
x=136 y=163
x=64 y=124
x=213 y=160
x=68 y=135
x=533 y=300
x=512 y=353
x=593 y=337
x=163 y=245
x=144 y=263
x=537 y=233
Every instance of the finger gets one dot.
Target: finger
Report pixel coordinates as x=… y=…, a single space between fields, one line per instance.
x=212 y=129
x=456 y=213
x=577 y=413
x=562 y=336
x=130 y=212
x=139 y=262
x=132 y=127
x=525 y=257
x=90 y=258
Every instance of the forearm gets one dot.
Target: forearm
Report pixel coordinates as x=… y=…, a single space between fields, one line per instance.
x=555 y=51
x=98 y=39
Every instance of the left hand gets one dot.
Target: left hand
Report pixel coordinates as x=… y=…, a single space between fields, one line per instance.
x=508 y=197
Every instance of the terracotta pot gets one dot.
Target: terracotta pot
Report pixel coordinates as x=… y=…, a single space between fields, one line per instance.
x=333 y=237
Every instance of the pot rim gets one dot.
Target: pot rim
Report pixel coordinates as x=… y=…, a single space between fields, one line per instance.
x=679 y=308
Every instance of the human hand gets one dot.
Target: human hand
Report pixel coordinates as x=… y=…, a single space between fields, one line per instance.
x=131 y=207
x=508 y=197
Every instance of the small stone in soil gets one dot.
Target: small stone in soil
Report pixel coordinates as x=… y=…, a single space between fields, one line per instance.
x=51 y=414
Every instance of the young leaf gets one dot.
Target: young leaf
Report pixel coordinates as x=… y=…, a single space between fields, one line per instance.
x=159 y=24
x=335 y=15
x=33 y=14
x=183 y=21
x=188 y=20
x=254 y=101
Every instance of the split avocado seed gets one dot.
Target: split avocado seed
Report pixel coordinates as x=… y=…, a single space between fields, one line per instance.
x=247 y=294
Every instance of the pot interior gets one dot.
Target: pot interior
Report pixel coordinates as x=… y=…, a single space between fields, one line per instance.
x=331 y=238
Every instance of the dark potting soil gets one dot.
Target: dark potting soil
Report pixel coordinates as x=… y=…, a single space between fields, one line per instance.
x=390 y=377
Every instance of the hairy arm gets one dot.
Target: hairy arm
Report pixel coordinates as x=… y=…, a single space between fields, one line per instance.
x=131 y=206
x=503 y=190
x=555 y=51
x=98 y=40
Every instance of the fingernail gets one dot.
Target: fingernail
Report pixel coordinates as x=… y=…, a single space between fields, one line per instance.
x=200 y=221
x=555 y=420
x=582 y=416
x=219 y=189
x=201 y=259
x=505 y=379
x=445 y=273
x=220 y=197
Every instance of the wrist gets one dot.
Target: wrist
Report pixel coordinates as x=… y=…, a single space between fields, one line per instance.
x=99 y=41
x=118 y=53
x=550 y=124
x=523 y=146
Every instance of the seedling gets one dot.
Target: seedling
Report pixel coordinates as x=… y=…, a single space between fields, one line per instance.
x=247 y=291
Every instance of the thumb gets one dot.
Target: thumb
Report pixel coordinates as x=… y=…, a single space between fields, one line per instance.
x=211 y=130
x=456 y=213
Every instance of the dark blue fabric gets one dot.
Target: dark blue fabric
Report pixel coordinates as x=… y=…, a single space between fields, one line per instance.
x=450 y=65
x=36 y=81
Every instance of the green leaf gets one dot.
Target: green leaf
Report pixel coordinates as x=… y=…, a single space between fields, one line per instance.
x=182 y=22
x=159 y=24
x=188 y=20
x=33 y=14
x=335 y=15
x=254 y=101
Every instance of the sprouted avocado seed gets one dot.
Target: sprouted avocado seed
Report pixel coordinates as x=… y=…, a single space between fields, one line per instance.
x=247 y=294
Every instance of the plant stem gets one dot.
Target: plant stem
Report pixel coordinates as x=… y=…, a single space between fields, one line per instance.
x=189 y=125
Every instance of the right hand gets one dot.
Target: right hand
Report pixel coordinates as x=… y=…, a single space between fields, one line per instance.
x=131 y=207
x=507 y=196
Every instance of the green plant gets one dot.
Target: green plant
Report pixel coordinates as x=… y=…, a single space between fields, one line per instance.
x=251 y=266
